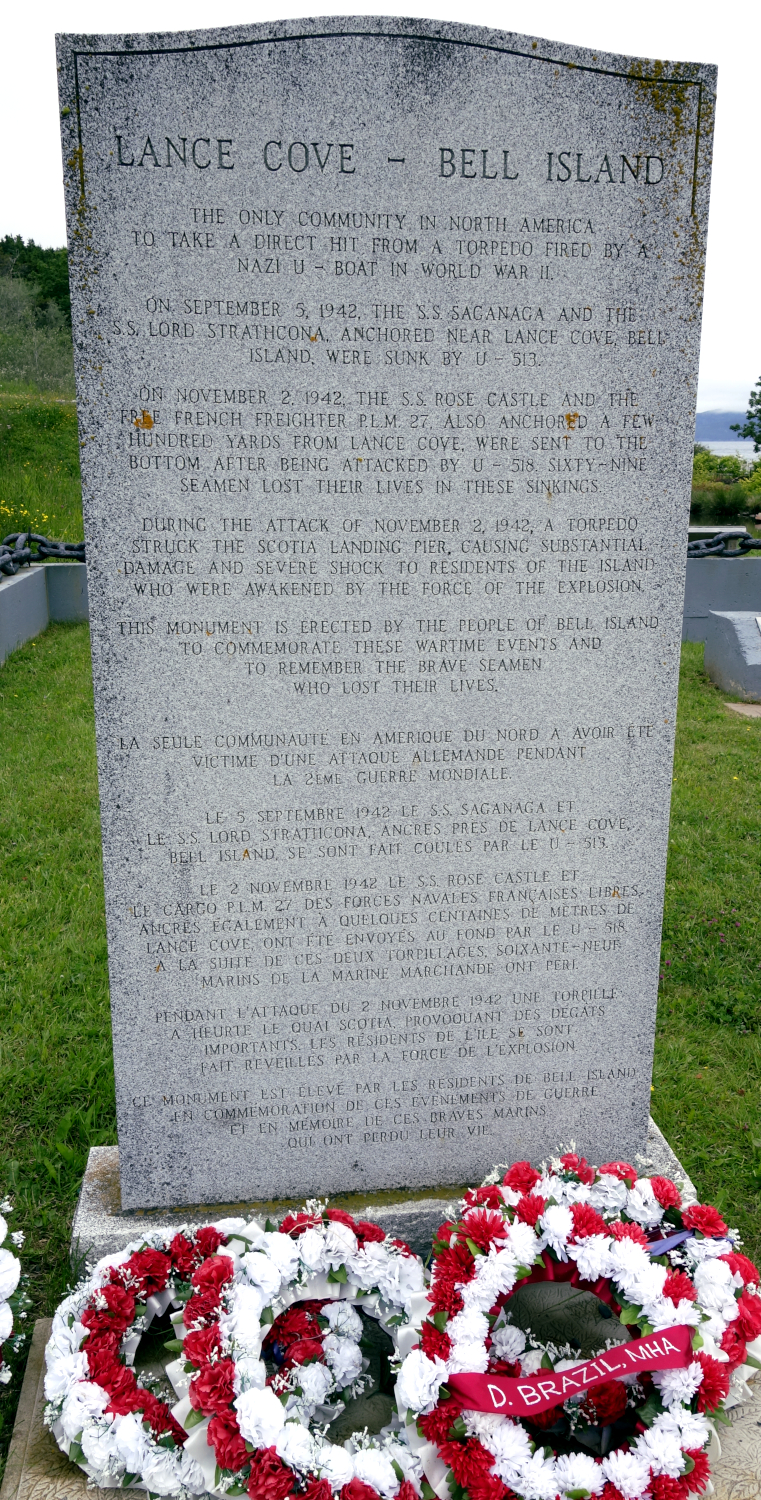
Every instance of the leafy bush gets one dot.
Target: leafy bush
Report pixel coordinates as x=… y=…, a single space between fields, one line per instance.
x=35 y=340
x=724 y=488
x=47 y=269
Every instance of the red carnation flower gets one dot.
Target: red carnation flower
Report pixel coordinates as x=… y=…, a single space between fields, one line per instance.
x=442 y=1237
x=437 y=1424
x=296 y=1323
x=102 y=1350
x=521 y=1177
x=124 y=1392
x=740 y=1263
x=157 y=1414
x=304 y=1350
x=705 y=1219
x=444 y=1297
x=749 y=1315
x=579 y=1166
x=542 y=1419
x=490 y=1197
x=340 y=1216
x=530 y=1208
x=367 y=1234
x=630 y=1232
x=295 y=1224
x=679 y=1288
x=150 y=1268
x=620 y=1169
x=733 y=1344
x=356 y=1489
x=698 y=1477
x=663 y=1487
x=207 y=1240
x=468 y=1461
x=404 y=1247
x=714 y=1386
x=211 y=1390
x=606 y=1403
x=434 y=1342
x=322 y=1489
x=483 y=1226
x=488 y=1487
x=406 y=1491
x=270 y=1478
x=201 y=1309
x=666 y=1192
x=456 y=1263
x=203 y=1345
x=224 y=1435
x=611 y=1493
x=586 y=1221
x=114 y=1309
x=183 y=1255
x=213 y=1272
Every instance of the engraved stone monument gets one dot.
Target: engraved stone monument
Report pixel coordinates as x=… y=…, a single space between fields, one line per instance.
x=387 y=339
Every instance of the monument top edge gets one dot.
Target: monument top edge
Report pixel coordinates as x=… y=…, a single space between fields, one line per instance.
x=533 y=48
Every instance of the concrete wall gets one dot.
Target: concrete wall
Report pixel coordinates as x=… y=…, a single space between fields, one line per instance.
x=733 y=653
x=37 y=597
x=718 y=583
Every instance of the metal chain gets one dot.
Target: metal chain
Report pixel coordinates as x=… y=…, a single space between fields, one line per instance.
x=16 y=551
x=718 y=546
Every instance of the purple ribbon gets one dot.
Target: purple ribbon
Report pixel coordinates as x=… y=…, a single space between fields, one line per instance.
x=660 y=1247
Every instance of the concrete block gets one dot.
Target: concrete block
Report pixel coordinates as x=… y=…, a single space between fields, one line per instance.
x=733 y=653
x=67 y=591
x=718 y=583
x=23 y=609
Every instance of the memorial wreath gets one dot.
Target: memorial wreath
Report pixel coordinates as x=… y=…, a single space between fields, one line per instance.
x=496 y=1411
x=268 y=1333
x=13 y=1298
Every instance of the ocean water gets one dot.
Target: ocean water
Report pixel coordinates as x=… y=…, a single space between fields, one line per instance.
x=744 y=450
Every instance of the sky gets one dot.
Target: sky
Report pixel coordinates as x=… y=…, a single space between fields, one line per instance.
x=31 y=195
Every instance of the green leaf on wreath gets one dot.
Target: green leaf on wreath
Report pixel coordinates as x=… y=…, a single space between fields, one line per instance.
x=439 y=1319
x=140 y=1309
x=398 y=1470
x=457 y=1430
x=427 y=1491
x=271 y=1229
x=266 y=1315
x=166 y=1441
x=651 y=1409
x=76 y=1453
x=174 y=1346
x=217 y=1476
x=578 y=1494
x=521 y=1271
x=472 y=1246
x=750 y=1360
x=689 y=1464
x=629 y=1315
x=697 y=1340
x=395 y=1321
x=128 y=1479
x=546 y=1363
x=193 y=1418
x=341 y=1275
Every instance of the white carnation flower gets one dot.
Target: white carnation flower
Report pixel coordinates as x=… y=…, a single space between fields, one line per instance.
x=538 y=1479
x=697 y=1251
x=131 y=1441
x=531 y=1362
x=250 y=1374
x=592 y=1256
x=508 y=1342
x=190 y=1474
x=10 y=1271
x=343 y=1319
x=557 y=1224
x=99 y=1446
x=84 y=1403
x=242 y=1320
x=64 y=1338
x=260 y=1416
x=3 y=1228
x=334 y=1464
x=262 y=1273
x=6 y=1324
x=663 y=1313
x=629 y=1472
x=62 y=1374
x=344 y=1358
x=468 y=1327
x=677 y=1387
x=647 y=1286
x=715 y=1286
x=507 y=1441
x=642 y=1204
x=693 y=1427
x=160 y=1471
x=340 y=1244
x=417 y=1387
x=316 y=1382
x=578 y=1471
x=284 y=1252
x=312 y=1251
x=296 y=1446
x=629 y=1261
x=523 y=1243
x=374 y=1467
x=608 y=1194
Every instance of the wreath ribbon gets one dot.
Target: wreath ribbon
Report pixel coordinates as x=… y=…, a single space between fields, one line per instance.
x=521 y=1396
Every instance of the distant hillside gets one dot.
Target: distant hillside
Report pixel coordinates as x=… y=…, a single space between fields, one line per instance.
x=715 y=426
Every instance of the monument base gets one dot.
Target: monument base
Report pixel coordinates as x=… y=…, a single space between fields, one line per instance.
x=101 y=1227
x=37 y=1470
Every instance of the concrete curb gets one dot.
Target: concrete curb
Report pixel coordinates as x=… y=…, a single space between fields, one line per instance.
x=37 y=597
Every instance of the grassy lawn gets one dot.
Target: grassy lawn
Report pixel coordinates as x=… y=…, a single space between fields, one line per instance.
x=56 y=1079
x=39 y=466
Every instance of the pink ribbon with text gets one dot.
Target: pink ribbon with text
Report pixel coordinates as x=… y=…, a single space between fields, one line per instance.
x=518 y=1396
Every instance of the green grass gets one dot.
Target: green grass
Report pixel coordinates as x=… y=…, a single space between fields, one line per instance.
x=40 y=487
x=56 y=1077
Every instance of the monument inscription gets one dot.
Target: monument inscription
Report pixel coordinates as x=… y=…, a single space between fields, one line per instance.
x=386 y=339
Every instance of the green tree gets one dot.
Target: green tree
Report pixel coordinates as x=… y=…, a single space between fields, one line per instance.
x=751 y=428
x=46 y=269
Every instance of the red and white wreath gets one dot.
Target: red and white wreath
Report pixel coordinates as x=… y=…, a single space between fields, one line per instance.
x=270 y=1354
x=657 y=1265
